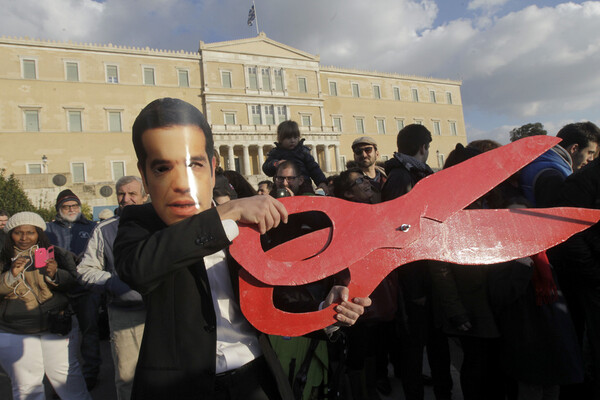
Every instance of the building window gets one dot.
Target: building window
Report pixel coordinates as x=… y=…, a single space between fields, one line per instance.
x=252 y=78
x=399 y=124
x=256 y=117
x=436 y=128
x=226 y=79
x=278 y=79
x=302 y=85
x=78 y=172
x=396 y=93
x=72 y=71
x=281 y=114
x=355 y=90
x=419 y=121
x=360 y=125
x=380 y=125
x=34 y=168
x=332 y=88
x=440 y=158
x=149 y=76
x=453 y=128
x=118 y=170
x=337 y=124
x=229 y=118
x=266 y=78
x=32 y=120
x=184 y=78
x=112 y=74
x=114 y=121
x=448 y=97
x=432 y=96
x=415 y=95
x=75 y=124
x=270 y=115
x=29 y=69
x=306 y=120
x=376 y=92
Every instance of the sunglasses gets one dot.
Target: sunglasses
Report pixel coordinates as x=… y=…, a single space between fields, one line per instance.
x=359 y=150
x=285 y=178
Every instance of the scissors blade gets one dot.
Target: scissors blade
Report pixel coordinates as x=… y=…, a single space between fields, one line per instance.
x=475 y=177
x=474 y=237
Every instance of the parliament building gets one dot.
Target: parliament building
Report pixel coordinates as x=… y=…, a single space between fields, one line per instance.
x=66 y=109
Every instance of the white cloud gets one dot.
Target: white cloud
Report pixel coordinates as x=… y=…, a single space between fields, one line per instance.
x=532 y=64
x=485 y=4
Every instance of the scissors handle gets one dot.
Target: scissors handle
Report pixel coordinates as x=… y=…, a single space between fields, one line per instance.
x=256 y=298
x=351 y=237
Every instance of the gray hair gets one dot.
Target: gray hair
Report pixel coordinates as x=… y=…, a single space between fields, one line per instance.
x=128 y=179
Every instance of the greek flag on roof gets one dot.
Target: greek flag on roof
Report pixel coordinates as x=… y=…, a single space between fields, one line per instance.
x=251 y=15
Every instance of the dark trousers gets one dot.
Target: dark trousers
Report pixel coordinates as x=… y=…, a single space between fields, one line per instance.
x=86 y=309
x=481 y=375
x=252 y=381
x=417 y=334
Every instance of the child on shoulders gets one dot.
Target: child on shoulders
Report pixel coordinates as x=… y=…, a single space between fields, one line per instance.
x=289 y=146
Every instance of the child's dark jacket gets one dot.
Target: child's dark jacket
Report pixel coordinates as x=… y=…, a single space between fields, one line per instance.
x=301 y=156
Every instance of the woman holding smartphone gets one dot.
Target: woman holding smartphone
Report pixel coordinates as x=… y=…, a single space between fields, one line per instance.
x=36 y=334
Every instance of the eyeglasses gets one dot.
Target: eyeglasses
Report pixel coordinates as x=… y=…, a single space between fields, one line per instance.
x=290 y=179
x=72 y=207
x=359 y=150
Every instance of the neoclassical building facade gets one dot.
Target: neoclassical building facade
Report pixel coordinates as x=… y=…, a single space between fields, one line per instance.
x=66 y=109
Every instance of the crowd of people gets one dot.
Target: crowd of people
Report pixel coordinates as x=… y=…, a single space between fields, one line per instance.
x=529 y=329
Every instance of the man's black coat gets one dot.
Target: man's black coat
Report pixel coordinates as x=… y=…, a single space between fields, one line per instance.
x=165 y=264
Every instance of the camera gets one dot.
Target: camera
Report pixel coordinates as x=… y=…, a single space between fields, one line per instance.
x=282 y=193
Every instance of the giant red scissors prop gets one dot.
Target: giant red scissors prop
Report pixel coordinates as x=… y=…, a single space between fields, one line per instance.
x=428 y=223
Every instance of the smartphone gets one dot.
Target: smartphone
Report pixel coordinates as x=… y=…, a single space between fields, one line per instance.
x=42 y=255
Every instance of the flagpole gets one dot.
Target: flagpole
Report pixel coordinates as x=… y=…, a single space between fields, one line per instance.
x=256 y=17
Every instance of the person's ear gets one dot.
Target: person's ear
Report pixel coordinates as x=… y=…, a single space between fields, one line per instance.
x=572 y=149
x=301 y=180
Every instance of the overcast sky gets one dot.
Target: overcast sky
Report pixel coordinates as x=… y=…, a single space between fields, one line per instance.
x=520 y=61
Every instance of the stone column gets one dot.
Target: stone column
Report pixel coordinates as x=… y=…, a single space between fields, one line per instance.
x=261 y=158
x=246 y=161
x=327 y=159
x=338 y=165
x=313 y=152
x=230 y=158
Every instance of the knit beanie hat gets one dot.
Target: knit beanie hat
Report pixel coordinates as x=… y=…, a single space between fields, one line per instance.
x=66 y=195
x=24 y=218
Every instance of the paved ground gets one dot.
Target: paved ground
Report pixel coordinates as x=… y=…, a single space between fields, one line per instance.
x=105 y=390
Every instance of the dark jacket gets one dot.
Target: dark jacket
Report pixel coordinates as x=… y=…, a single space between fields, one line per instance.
x=72 y=236
x=165 y=264
x=403 y=172
x=301 y=156
x=25 y=308
x=579 y=257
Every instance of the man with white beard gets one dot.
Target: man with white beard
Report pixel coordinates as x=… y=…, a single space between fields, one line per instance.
x=71 y=231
